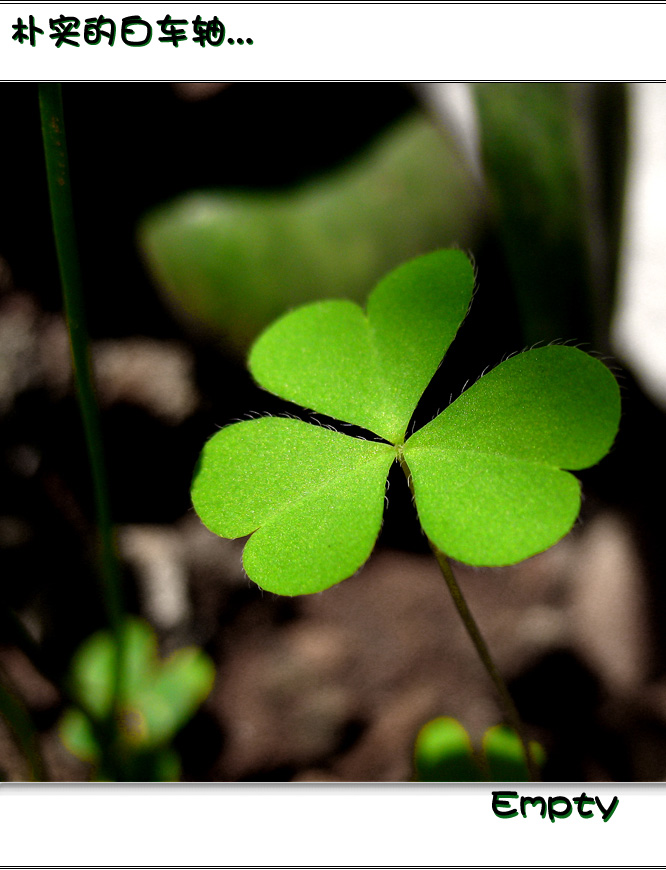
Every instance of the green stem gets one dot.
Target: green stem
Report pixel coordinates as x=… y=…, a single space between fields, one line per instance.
x=510 y=709
x=62 y=213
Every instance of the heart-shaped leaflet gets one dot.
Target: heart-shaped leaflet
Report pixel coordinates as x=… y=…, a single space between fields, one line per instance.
x=370 y=368
x=487 y=472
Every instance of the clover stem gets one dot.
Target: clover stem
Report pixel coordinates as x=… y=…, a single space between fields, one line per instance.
x=510 y=709
x=64 y=230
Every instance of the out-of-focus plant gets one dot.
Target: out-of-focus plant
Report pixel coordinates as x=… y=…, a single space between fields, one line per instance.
x=126 y=705
x=232 y=261
x=554 y=163
x=157 y=698
x=443 y=752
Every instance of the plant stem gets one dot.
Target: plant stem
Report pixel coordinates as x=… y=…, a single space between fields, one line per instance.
x=510 y=709
x=62 y=214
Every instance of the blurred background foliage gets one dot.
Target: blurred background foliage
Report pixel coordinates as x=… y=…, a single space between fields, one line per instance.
x=443 y=752
x=553 y=161
x=234 y=261
x=206 y=210
x=156 y=699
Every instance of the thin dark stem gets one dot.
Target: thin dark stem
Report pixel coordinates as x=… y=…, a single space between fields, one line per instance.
x=510 y=710
x=62 y=213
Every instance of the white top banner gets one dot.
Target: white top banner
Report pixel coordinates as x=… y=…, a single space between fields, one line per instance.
x=329 y=41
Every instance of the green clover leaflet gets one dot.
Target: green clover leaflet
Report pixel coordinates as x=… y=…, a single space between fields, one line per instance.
x=487 y=473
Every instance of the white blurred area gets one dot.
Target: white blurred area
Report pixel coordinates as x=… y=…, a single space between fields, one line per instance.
x=452 y=105
x=638 y=331
x=639 y=326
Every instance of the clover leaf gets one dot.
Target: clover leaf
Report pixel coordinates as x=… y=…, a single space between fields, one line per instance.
x=443 y=752
x=490 y=474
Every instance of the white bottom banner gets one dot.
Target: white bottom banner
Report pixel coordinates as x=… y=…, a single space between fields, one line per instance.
x=316 y=825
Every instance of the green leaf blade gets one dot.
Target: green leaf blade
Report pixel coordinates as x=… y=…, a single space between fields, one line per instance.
x=172 y=692
x=313 y=498
x=369 y=370
x=78 y=736
x=505 y=755
x=321 y=356
x=414 y=314
x=556 y=405
x=487 y=475
x=490 y=511
x=443 y=753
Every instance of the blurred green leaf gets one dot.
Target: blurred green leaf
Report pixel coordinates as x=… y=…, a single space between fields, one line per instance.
x=77 y=734
x=553 y=156
x=233 y=261
x=171 y=696
x=443 y=752
x=505 y=757
x=157 y=698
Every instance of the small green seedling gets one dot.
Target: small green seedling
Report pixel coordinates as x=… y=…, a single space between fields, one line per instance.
x=488 y=474
x=157 y=698
x=443 y=752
